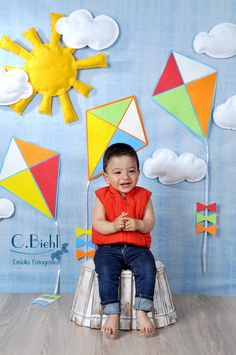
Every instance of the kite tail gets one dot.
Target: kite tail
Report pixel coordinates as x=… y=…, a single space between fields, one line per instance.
x=57 y=285
x=204 y=249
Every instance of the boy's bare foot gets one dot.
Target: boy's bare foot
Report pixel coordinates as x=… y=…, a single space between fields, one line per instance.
x=145 y=326
x=111 y=325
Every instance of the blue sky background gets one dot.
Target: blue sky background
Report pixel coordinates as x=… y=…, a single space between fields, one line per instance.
x=149 y=30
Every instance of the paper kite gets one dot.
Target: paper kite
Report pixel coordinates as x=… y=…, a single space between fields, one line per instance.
x=116 y=122
x=52 y=70
x=186 y=89
x=31 y=173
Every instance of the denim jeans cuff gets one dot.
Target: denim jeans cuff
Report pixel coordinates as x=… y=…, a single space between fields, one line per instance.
x=111 y=308
x=143 y=303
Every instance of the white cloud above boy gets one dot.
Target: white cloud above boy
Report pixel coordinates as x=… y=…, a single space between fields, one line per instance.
x=224 y=115
x=219 y=42
x=81 y=29
x=170 y=168
x=14 y=86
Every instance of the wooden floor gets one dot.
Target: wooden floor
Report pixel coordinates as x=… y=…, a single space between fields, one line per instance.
x=205 y=325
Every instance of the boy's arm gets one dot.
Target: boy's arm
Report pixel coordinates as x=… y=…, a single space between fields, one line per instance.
x=100 y=223
x=144 y=225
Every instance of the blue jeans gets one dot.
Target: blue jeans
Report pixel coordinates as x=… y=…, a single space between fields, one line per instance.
x=109 y=261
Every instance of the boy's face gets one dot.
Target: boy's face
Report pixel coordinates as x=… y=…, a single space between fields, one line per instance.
x=122 y=173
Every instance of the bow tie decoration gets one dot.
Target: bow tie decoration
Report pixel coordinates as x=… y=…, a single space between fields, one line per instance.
x=84 y=243
x=211 y=207
x=206 y=218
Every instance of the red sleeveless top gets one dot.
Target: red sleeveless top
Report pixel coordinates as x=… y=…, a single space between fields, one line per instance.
x=134 y=203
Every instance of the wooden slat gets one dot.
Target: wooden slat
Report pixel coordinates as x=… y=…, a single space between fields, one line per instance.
x=86 y=310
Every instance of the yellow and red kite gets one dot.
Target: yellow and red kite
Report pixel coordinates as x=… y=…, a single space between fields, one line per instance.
x=31 y=173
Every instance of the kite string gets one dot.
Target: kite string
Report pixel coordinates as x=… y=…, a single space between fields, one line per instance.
x=87 y=219
x=204 y=252
x=57 y=285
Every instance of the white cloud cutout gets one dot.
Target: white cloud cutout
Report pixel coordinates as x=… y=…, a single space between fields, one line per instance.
x=219 y=42
x=6 y=208
x=224 y=115
x=14 y=86
x=172 y=169
x=80 y=29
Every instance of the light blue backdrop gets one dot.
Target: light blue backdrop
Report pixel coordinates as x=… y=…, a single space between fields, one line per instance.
x=148 y=31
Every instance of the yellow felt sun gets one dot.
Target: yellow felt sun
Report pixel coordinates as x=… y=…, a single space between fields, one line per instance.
x=52 y=70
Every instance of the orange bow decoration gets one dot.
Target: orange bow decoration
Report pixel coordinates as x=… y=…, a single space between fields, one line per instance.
x=81 y=254
x=210 y=230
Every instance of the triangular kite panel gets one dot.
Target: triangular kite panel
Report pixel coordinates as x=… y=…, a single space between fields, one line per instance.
x=99 y=168
x=201 y=93
x=24 y=186
x=99 y=133
x=131 y=122
x=123 y=137
x=32 y=153
x=177 y=102
x=46 y=176
x=13 y=163
x=170 y=77
x=191 y=69
x=112 y=112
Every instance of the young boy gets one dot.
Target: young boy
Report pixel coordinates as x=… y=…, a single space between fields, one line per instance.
x=123 y=217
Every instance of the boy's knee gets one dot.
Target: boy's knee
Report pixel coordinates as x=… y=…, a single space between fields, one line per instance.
x=148 y=268
x=105 y=273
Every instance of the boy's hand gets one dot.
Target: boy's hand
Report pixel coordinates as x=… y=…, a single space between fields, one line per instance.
x=131 y=224
x=119 y=222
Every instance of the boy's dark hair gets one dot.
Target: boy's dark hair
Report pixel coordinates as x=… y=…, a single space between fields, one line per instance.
x=117 y=150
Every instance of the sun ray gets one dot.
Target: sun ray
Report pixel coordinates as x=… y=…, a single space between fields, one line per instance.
x=98 y=60
x=10 y=67
x=11 y=46
x=82 y=88
x=68 y=110
x=71 y=50
x=32 y=36
x=55 y=37
x=19 y=106
x=46 y=104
